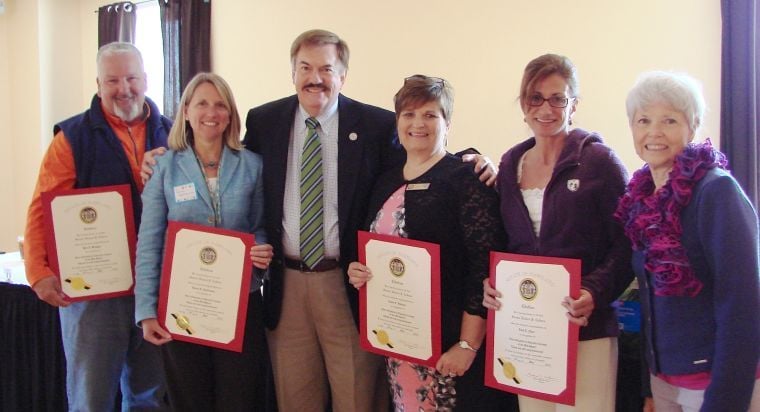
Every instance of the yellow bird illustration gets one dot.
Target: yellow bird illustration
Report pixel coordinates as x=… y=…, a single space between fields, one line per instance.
x=382 y=337
x=77 y=283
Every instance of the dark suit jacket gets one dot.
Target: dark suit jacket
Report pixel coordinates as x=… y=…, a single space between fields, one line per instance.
x=360 y=162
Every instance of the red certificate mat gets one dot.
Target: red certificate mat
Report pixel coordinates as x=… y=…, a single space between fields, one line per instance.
x=400 y=307
x=205 y=282
x=531 y=347
x=90 y=241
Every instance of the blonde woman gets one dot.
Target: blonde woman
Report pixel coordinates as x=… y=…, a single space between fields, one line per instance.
x=205 y=154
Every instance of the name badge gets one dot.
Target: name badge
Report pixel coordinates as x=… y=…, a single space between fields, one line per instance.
x=418 y=186
x=185 y=192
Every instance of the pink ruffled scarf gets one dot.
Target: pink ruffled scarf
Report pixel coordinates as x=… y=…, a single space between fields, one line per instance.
x=652 y=220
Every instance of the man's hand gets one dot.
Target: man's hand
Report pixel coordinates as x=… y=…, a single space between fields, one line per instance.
x=49 y=290
x=483 y=166
x=149 y=160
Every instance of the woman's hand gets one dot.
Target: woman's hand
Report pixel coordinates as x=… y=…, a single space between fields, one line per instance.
x=261 y=255
x=358 y=274
x=490 y=296
x=455 y=362
x=648 y=404
x=579 y=310
x=153 y=332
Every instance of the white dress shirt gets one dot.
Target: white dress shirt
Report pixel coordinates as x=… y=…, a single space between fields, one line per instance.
x=291 y=216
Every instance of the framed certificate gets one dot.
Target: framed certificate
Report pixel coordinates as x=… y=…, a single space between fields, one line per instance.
x=90 y=241
x=205 y=283
x=400 y=308
x=531 y=346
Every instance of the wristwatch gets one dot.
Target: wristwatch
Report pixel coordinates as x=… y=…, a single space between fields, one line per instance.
x=465 y=345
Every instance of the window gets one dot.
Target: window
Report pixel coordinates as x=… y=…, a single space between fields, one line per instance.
x=148 y=40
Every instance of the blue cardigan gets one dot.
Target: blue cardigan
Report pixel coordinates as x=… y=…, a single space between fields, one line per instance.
x=242 y=209
x=718 y=330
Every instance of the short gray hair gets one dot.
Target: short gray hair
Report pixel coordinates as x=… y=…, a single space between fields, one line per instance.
x=679 y=90
x=115 y=48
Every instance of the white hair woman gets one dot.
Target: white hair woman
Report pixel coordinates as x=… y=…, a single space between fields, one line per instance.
x=695 y=241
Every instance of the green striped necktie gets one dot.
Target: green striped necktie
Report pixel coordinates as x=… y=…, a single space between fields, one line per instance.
x=312 y=237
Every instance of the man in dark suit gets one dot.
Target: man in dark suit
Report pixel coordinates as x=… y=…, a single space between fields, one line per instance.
x=310 y=309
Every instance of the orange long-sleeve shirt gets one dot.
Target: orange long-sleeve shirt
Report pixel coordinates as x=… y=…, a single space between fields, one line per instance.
x=57 y=172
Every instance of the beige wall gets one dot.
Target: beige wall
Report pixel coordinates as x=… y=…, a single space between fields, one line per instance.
x=481 y=47
x=20 y=125
x=7 y=175
x=40 y=78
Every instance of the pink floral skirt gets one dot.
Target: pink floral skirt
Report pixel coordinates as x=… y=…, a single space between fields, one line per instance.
x=418 y=388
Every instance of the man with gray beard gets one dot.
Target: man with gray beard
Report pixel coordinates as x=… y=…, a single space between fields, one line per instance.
x=102 y=146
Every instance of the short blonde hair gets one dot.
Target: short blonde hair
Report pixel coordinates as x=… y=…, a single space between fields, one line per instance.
x=181 y=135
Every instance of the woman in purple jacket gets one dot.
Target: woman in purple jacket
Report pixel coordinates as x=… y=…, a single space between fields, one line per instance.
x=558 y=192
x=695 y=241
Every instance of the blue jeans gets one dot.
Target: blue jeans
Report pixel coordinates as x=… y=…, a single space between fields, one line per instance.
x=105 y=351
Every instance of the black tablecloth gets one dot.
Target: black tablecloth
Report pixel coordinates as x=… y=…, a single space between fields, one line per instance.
x=32 y=364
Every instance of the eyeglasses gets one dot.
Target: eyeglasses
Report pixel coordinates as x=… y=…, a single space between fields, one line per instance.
x=554 y=101
x=423 y=78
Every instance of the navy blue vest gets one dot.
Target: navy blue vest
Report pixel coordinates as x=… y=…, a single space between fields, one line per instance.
x=99 y=157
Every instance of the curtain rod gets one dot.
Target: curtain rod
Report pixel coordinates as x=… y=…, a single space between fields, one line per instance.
x=134 y=2
x=148 y=1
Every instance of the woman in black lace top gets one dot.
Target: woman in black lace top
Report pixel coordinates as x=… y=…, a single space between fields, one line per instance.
x=435 y=197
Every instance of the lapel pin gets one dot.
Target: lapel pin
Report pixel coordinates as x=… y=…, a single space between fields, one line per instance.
x=353 y=136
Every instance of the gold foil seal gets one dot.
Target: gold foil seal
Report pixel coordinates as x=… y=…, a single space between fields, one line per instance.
x=183 y=322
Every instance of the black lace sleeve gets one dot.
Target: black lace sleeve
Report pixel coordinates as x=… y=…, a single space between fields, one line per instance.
x=482 y=232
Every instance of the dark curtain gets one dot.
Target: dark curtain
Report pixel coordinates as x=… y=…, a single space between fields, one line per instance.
x=186 y=28
x=740 y=107
x=32 y=365
x=116 y=22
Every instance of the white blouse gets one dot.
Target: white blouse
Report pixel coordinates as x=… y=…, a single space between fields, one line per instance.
x=533 y=199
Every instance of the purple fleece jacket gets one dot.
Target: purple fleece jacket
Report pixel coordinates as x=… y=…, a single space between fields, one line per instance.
x=576 y=221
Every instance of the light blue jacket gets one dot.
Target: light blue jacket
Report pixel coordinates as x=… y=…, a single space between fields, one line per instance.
x=242 y=209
